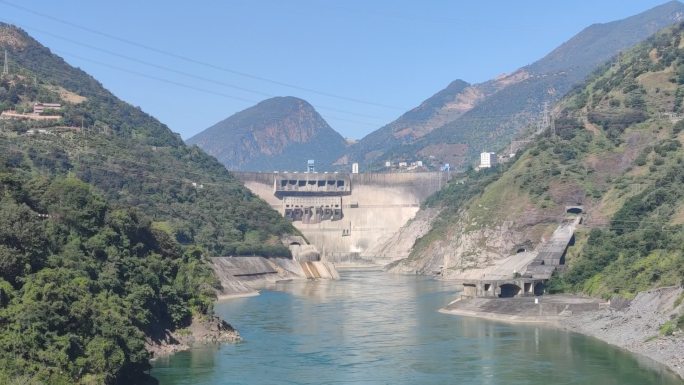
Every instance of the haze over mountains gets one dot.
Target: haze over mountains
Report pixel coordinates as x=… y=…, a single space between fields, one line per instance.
x=451 y=127
x=459 y=122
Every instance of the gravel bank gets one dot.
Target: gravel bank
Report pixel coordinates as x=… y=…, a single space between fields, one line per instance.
x=635 y=327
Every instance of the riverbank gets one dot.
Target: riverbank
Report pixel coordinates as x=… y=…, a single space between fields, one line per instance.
x=636 y=327
x=202 y=330
x=633 y=326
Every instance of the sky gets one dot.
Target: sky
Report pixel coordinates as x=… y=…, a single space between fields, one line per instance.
x=360 y=63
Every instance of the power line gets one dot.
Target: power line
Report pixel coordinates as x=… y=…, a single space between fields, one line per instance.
x=200 y=89
x=152 y=77
x=141 y=172
x=183 y=73
x=195 y=61
x=464 y=118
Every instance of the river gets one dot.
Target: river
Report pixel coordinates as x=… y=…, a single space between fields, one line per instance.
x=374 y=328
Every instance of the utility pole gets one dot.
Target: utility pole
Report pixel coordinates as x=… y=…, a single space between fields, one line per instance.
x=5 y=68
x=547 y=120
x=545 y=115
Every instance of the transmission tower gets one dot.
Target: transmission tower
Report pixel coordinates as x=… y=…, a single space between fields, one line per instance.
x=5 y=67
x=547 y=120
x=545 y=116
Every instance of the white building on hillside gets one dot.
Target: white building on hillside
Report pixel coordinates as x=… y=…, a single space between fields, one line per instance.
x=487 y=159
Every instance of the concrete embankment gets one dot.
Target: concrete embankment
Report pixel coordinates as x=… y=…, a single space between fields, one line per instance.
x=244 y=276
x=633 y=326
x=547 y=309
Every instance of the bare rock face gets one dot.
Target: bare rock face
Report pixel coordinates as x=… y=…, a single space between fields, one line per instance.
x=399 y=245
x=277 y=134
x=202 y=330
x=468 y=246
x=212 y=330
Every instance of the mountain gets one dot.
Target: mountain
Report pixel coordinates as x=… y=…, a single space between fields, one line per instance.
x=106 y=222
x=280 y=133
x=490 y=114
x=132 y=158
x=618 y=150
x=441 y=108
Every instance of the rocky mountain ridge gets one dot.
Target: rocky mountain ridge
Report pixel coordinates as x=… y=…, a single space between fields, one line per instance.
x=501 y=109
x=280 y=133
x=617 y=151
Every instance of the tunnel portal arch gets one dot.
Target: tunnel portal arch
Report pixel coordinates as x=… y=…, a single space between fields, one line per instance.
x=509 y=290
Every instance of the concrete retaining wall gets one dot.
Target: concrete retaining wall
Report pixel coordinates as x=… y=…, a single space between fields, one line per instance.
x=245 y=275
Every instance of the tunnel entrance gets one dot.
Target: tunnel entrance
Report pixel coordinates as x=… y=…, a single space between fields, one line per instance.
x=509 y=290
x=574 y=210
x=469 y=290
x=539 y=288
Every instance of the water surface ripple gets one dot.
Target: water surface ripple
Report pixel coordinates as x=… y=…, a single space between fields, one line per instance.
x=374 y=328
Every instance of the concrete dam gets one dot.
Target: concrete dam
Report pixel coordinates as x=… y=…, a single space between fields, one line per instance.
x=346 y=216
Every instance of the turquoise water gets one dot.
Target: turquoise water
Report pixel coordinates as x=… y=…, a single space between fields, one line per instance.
x=374 y=328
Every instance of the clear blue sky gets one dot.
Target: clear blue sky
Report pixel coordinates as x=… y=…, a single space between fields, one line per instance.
x=367 y=61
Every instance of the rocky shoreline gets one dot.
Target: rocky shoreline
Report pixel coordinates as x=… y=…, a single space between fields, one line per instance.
x=202 y=330
x=636 y=327
x=633 y=326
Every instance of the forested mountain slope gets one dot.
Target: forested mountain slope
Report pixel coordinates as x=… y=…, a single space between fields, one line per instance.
x=82 y=284
x=133 y=159
x=106 y=220
x=617 y=150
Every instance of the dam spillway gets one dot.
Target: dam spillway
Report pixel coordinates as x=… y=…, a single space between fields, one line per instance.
x=346 y=216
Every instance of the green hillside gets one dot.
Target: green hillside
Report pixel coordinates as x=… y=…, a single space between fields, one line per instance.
x=131 y=157
x=82 y=283
x=106 y=221
x=617 y=149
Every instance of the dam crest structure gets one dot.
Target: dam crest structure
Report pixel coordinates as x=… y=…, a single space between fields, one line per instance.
x=348 y=217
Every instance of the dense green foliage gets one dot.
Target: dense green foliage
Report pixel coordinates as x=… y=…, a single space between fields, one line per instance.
x=82 y=283
x=106 y=221
x=619 y=148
